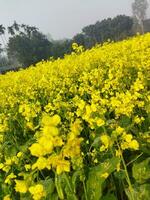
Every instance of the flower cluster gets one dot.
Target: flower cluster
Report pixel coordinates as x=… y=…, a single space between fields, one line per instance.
x=66 y=125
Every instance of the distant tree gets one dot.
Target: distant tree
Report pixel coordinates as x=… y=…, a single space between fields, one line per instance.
x=121 y=27
x=147 y=25
x=1 y=49
x=117 y=28
x=2 y=32
x=3 y=58
x=4 y=62
x=21 y=29
x=79 y=39
x=16 y=26
x=1 y=61
x=2 y=29
x=104 y=30
x=27 y=45
x=49 y=37
x=13 y=29
x=90 y=32
x=139 y=9
x=61 y=47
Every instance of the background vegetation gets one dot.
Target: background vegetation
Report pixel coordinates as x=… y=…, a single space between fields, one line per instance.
x=27 y=45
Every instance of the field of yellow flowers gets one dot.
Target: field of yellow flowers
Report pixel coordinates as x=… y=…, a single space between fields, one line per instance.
x=78 y=128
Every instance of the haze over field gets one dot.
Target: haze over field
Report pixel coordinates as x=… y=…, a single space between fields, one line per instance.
x=61 y=18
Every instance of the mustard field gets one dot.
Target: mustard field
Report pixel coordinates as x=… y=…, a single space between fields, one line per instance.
x=78 y=128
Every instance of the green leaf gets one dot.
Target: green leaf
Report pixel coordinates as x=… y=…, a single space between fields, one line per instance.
x=70 y=195
x=109 y=197
x=75 y=176
x=52 y=197
x=121 y=175
x=96 y=142
x=141 y=192
x=25 y=196
x=49 y=186
x=141 y=171
x=125 y=121
x=69 y=187
x=64 y=187
x=96 y=179
x=58 y=185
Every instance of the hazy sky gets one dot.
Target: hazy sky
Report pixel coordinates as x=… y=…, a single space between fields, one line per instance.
x=61 y=18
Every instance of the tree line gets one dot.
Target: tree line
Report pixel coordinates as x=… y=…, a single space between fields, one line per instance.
x=27 y=45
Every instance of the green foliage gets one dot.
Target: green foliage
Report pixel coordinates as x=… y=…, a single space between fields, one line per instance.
x=60 y=48
x=116 y=29
x=141 y=171
x=108 y=197
x=96 y=178
x=141 y=174
x=28 y=46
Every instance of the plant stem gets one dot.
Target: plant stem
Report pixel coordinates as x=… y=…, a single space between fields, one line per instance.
x=68 y=183
x=70 y=186
x=134 y=159
x=127 y=175
x=85 y=192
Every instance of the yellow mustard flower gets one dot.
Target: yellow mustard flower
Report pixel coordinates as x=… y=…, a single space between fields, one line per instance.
x=46 y=145
x=19 y=154
x=100 y=122
x=21 y=186
x=36 y=150
x=106 y=141
x=105 y=175
x=37 y=191
x=41 y=163
x=62 y=166
x=10 y=177
x=51 y=121
x=134 y=145
x=7 y=197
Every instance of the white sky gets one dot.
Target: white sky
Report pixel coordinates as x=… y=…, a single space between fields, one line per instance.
x=61 y=18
